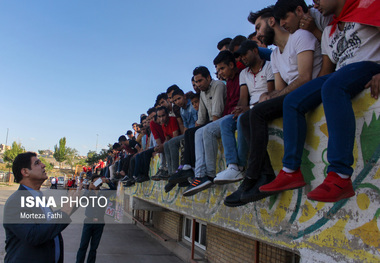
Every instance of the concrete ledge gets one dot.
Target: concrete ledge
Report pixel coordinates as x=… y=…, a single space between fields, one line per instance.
x=346 y=231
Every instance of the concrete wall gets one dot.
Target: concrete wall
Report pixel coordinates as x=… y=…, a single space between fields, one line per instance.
x=346 y=231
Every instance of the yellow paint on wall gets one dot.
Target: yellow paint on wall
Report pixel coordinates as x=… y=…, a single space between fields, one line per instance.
x=377 y=175
x=363 y=201
x=277 y=122
x=280 y=211
x=362 y=103
x=334 y=236
x=309 y=211
x=276 y=152
x=323 y=129
x=334 y=239
x=369 y=233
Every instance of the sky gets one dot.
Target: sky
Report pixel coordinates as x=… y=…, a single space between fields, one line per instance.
x=87 y=69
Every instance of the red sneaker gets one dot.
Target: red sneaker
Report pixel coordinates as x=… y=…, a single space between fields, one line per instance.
x=284 y=181
x=333 y=189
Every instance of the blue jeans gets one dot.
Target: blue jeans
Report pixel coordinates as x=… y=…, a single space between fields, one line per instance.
x=142 y=163
x=91 y=232
x=335 y=91
x=233 y=154
x=206 y=149
x=171 y=148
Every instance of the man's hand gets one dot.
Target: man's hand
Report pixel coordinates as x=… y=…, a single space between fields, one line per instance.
x=72 y=195
x=265 y=96
x=159 y=148
x=374 y=84
x=307 y=23
x=274 y=94
x=239 y=110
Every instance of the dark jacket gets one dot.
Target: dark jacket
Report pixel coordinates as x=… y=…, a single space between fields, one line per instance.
x=30 y=242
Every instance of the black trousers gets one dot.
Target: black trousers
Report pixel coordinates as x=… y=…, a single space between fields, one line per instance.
x=255 y=129
x=125 y=162
x=91 y=234
x=189 y=153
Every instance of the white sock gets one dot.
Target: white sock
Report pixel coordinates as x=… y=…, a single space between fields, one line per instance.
x=233 y=166
x=343 y=176
x=186 y=167
x=287 y=170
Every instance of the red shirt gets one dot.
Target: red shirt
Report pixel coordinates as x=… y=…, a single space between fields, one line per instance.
x=171 y=127
x=233 y=94
x=157 y=131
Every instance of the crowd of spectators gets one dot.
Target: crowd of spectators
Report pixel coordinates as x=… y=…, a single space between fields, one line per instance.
x=313 y=50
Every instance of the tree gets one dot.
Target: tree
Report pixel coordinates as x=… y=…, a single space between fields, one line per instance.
x=92 y=157
x=48 y=166
x=71 y=157
x=60 y=152
x=10 y=155
x=81 y=162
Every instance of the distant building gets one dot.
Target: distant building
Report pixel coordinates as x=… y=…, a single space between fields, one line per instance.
x=46 y=153
x=4 y=147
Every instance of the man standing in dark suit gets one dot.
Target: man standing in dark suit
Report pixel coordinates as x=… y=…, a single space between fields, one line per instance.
x=36 y=236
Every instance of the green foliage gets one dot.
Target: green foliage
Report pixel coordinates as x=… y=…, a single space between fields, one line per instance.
x=93 y=157
x=307 y=167
x=82 y=162
x=60 y=152
x=369 y=138
x=10 y=155
x=71 y=156
x=48 y=166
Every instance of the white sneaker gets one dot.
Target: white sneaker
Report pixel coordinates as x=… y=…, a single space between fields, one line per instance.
x=230 y=175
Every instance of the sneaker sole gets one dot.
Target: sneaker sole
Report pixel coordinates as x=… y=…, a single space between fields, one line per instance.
x=178 y=180
x=164 y=178
x=156 y=179
x=255 y=198
x=331 y=200
x=290 y=187
x=219 y=182
x=235 y=204
x=197 y=189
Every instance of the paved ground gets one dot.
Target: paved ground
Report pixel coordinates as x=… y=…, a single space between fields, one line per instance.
x=119 y=243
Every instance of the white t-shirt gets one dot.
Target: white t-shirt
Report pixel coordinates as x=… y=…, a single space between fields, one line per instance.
x=355 y=43
x=257 y=84
x=320 y=21
x=286 y=64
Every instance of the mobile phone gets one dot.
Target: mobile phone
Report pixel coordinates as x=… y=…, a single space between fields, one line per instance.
x=98 y=182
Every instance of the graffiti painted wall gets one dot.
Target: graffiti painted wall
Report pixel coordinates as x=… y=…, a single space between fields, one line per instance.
x=346 y=231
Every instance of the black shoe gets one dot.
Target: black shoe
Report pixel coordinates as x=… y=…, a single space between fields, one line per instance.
x=198 y=184
x=181 y=176
x=125 y=179
x=129 y=183
x=169 y=187
x=253 y=194
x=142 y=178
x=118 y=175
x=184 y=184
x=157 y=176
x=164 y=175
x=233 y=200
